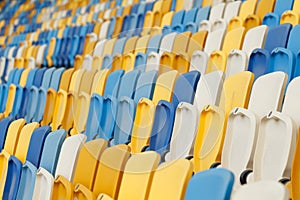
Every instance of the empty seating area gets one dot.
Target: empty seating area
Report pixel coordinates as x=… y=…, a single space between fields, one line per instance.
x=150 y=99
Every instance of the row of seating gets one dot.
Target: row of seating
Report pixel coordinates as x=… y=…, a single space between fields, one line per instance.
x=132 y=100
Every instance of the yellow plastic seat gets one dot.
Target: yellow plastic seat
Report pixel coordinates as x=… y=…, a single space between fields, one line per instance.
x=142 y=126
x=110 y=170
x=197 y=42
x=86 y=167
x=14 y=131
x=109 y=46
x=167 y=19
x=247 y=8
x=263 y=7
x=233 y=40
x=82 y=193
x=128 y=62
x=142 y=44
x=130 y=45
x=207 y=3
x=104 y=197
x=148 y=23
x=99 y=81
x=10 y=100
x=170 y=180
x=82 y=102
x=118 y=26
x=209 y=137
x=24 y=140
x=179 y=5
x=164 y=86
x=292 y=16
x=181 y=43
x=138 y=175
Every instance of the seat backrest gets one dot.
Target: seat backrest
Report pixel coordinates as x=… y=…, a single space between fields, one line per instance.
x=167 y=42
x=113 y=83
x=185 y=88
x=142 y=126
x=4 y=126
x=12 y=135
x=138 y=175
x=184 y=131
x=162 y=127
x=236 y=91
x=90 y=153
x=255 y=38
x=277 y=36
x=36 y=145
x=24 y=140
x=164 y=86
x=267 y=93
x=211 y=184
x=110 y=171
x=128 y=84
x=217 y=11
x=68 y=156
x=209 y=89
x=145 y=85
x=154 y=43
x=51 y=150
x=12 y=178
x=175 y=175
x=108 y=118
x=214 y=41
x=283 y=5
x=233 y=40
x=119 y=46
x=293 y=43
x=43 y=184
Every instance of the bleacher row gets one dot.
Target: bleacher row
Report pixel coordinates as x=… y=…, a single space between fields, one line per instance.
x=167 y=99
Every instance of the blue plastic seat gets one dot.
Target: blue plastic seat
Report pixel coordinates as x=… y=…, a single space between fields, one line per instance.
x=154 y=43
x=185 y=88
x=139 y=24
x=140 y=61
x=27 y=181
x=162 y=127
x=12 y=178
x=259 y=62
x=197 y=4
x=119 y=46
x=108 y=117
x=277 y=36
x=51 y=150
x=113 y=83
x=176 y=23
x=145 y=85
x=111 y=27
x=36 y=145
x=133 y=25
x=213 y=184
x=202 y=14
x=4 y=124
x=92 y=125
x=128 y=84
x=273 y=19
x=107 y=61
x=125 y=26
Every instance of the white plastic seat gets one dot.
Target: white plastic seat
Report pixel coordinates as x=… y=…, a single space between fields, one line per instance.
x=43 y=185
x=205 y=25
x=167 y=42
x=199 y=61
x=217 y=12
x=184 y=131
x=254 y=38
x=214 y=41
x=99 y=48
x=236 y=62
x=87 y=62
x=153 y=61
x=209 y=89
x=231 y=10
x=68 y=156
x=40 y=55
x=263 y=190
x=219 y=24
x=104 y=30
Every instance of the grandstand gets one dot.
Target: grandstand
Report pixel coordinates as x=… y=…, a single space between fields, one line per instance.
x=149 y=99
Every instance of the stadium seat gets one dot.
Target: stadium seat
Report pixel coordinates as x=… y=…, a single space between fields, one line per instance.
x=175 y=174
x=291 y=16
x=184 y=132
x=136 y=186
x=210 y=184
x=262 y=190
